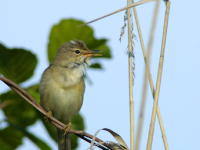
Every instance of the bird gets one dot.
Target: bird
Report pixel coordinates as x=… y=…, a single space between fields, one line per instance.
x=62 y=85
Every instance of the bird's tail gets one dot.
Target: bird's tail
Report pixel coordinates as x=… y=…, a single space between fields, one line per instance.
x=64 y=142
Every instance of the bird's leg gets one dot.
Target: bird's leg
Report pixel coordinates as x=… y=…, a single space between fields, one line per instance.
x=48 y=115
x=67 y=127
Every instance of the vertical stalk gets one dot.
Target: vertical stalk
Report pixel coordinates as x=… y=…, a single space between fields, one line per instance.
x=149 y=49
x=151 y=130
x=141 y=116
x=139 y=129
x=130 y=80
x=162 y=54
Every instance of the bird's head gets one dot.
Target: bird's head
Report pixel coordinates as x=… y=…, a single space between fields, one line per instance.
x=74 y=54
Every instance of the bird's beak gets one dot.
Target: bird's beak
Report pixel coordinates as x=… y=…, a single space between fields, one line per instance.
x=91 y=53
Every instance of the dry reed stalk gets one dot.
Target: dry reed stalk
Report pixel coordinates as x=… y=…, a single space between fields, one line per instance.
x=139 y=130
x=133 y=5
x=151 y=130
x=130 y=80
x=149 y=46
x=148 y=60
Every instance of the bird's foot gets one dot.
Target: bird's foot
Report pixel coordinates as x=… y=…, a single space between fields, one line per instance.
x=67 y=127
x=48 y=115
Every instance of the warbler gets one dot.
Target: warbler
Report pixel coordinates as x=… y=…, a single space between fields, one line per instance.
x=62 y=85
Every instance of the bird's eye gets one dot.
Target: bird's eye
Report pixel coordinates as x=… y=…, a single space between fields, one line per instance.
x=77 y=51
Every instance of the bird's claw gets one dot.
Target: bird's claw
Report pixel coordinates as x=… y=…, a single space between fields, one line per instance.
x=48 y=115
x=67 y=128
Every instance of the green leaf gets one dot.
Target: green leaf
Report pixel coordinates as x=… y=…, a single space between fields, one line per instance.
x=10 y=138
x=96 y=66
x=38 y=142
x=67 y=30
x=17 y=65
x=34 y=92
x=18 y=111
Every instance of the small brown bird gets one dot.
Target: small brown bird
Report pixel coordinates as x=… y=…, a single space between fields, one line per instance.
x=62 y=85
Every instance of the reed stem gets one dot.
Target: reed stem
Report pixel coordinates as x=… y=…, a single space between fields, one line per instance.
x=139 y=127
x=155 y=106
x=130 y=79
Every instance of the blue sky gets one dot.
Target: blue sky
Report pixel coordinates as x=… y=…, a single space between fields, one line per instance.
x=26 y=24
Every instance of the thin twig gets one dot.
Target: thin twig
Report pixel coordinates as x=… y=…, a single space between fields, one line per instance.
x=13 y=84
x=151 y=129
x=133 y=5
x=25 y=95
x=131 y=103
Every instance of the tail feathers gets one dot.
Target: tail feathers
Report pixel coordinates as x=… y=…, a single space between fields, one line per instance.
x=64 y=142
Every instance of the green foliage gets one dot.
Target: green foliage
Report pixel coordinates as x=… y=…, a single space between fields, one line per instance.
x=10 y=138
x=18 y=65
x=96 y=66
x=34 y=92
x=18 y=111
x=32 y=137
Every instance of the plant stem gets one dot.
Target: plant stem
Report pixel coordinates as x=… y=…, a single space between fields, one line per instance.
x=162 y=53
x=139 y=129
x=124 y=8
x=130 y=80
x=155 y=106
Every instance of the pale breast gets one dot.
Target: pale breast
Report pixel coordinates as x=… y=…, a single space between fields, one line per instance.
x=64 y=100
